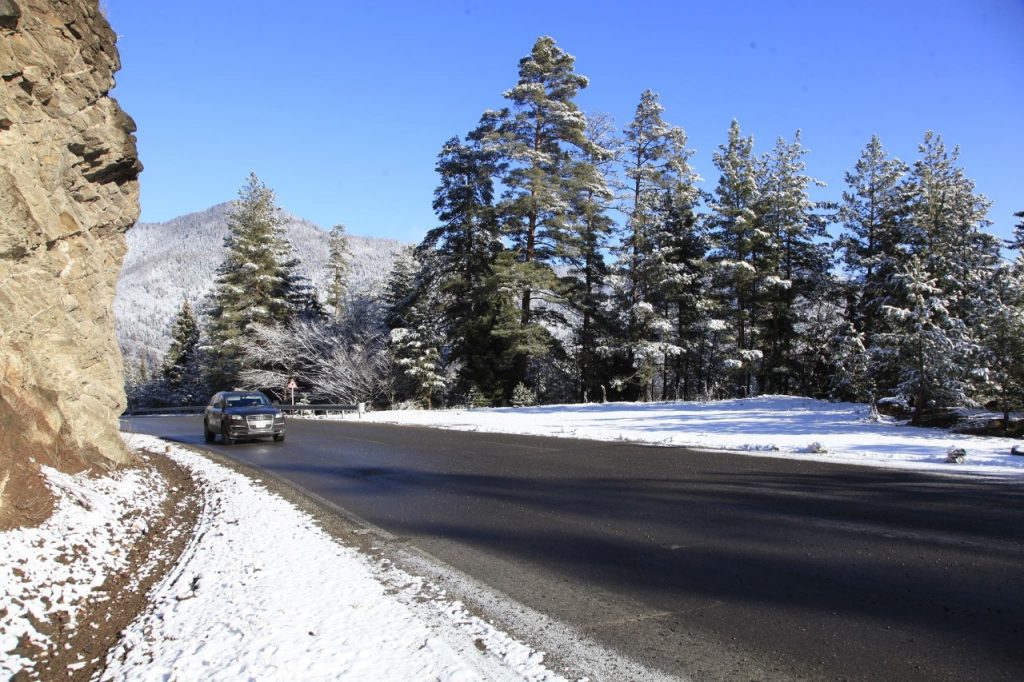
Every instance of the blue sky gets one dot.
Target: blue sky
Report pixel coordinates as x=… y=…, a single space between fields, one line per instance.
x=341 y=107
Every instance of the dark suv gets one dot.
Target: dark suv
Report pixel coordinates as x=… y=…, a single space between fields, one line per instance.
x=242 y=414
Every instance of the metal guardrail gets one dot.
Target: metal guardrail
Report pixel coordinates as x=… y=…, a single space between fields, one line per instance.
x=291 y=409
x=199 y=409
x=140 y=411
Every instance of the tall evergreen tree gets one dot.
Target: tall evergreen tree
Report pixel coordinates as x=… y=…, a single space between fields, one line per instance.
x=588 y=237
x=679 y=263
x=538 y=135
x=182 y=371
x=738 y=243
x=1000 y=328
x=338 y=267
x=930 y=343
x=459 y=254
x=660 y=198
x=949 y=219
x=255 y=284
x=875 y=242
x=793 y=267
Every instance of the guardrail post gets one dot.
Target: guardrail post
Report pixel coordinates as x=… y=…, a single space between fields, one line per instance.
x=360 y=408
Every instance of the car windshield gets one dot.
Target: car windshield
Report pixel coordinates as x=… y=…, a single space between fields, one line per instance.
x=245 y=400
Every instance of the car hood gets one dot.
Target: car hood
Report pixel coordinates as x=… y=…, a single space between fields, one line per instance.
x=258 y=409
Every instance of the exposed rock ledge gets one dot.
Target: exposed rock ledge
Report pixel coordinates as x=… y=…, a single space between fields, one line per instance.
x=68 y=192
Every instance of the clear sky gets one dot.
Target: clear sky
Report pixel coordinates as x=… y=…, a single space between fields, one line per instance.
x=341 y=107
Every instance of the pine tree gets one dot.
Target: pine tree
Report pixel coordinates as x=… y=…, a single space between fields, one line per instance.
x=588 y=237
x=338 y=267
x=1017 y=242
x=659 y=248
x=793 y=265
x=255 y=282
x=679 y=263
x=401 y=289
x=848 y=375
x=420 y=362
x=459 y=254
x=949 y=220
x=537 y=136
x=181 y=371
x=929 y=341
x=738 y=243
x=1001 y=330
x=875 y=243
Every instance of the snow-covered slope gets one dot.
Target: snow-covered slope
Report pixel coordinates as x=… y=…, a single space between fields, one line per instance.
x=169 y=261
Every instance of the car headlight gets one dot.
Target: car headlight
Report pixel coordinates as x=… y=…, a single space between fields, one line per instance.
x=237 y=418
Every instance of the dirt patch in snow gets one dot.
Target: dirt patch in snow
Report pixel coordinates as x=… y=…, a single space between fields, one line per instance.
x=80 y=653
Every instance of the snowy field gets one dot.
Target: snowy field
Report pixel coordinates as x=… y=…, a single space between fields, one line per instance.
x=773 y=426
x=261 y=592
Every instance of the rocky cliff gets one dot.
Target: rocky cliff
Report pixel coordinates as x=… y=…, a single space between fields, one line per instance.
x=68 y=192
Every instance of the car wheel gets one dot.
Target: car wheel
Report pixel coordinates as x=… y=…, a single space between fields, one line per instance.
x=208 y=435
x=278 y=437
x=228 y=440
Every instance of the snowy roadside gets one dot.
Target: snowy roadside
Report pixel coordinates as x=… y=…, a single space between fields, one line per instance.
x=769 y=426
x=51 y=573
x=264 y=592
x=260 y=592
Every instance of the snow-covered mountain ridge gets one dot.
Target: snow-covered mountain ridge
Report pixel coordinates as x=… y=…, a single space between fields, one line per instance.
x=170 y=261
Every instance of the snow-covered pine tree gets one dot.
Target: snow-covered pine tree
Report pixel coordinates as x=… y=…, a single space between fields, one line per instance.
x=401 y=289
x=737 y=245
x=931 y=344
x=874 y=242
x=255 y=282
x=587 y=240
x=680 y=259
x=849 y=364
x=338 y=266
x=182 y=368
x=793 y=266
x=420 y=362
x=1000 y=329
x=659 y=247
x=458 y=255
x=537 y=136
x=949 y=218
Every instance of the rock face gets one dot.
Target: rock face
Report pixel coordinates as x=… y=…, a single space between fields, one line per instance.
x=68 y=192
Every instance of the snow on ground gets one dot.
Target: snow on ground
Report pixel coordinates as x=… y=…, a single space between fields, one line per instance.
x=775 y=426
x=264 y=593
x=52 y=569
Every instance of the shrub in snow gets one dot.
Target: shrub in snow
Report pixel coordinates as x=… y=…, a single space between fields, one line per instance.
x=956 y=455
x=1017 y=450
x=475 y=398
x=816 y=448
x=523 y=396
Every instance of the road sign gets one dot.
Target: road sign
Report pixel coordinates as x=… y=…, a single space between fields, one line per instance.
x=292 y=385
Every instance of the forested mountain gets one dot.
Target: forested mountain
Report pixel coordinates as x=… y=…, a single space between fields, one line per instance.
x=176 y=260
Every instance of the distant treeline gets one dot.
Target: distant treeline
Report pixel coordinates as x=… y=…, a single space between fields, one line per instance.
x=576 y=262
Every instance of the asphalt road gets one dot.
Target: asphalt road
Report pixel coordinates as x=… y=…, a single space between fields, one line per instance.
x=702 y=565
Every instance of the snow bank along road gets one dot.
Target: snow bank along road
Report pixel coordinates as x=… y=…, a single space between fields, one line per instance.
x=702 y=564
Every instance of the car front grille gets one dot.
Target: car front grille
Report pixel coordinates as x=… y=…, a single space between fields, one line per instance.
x=260 y=422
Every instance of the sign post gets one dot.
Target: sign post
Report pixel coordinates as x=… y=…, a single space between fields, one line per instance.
x=291 y=389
